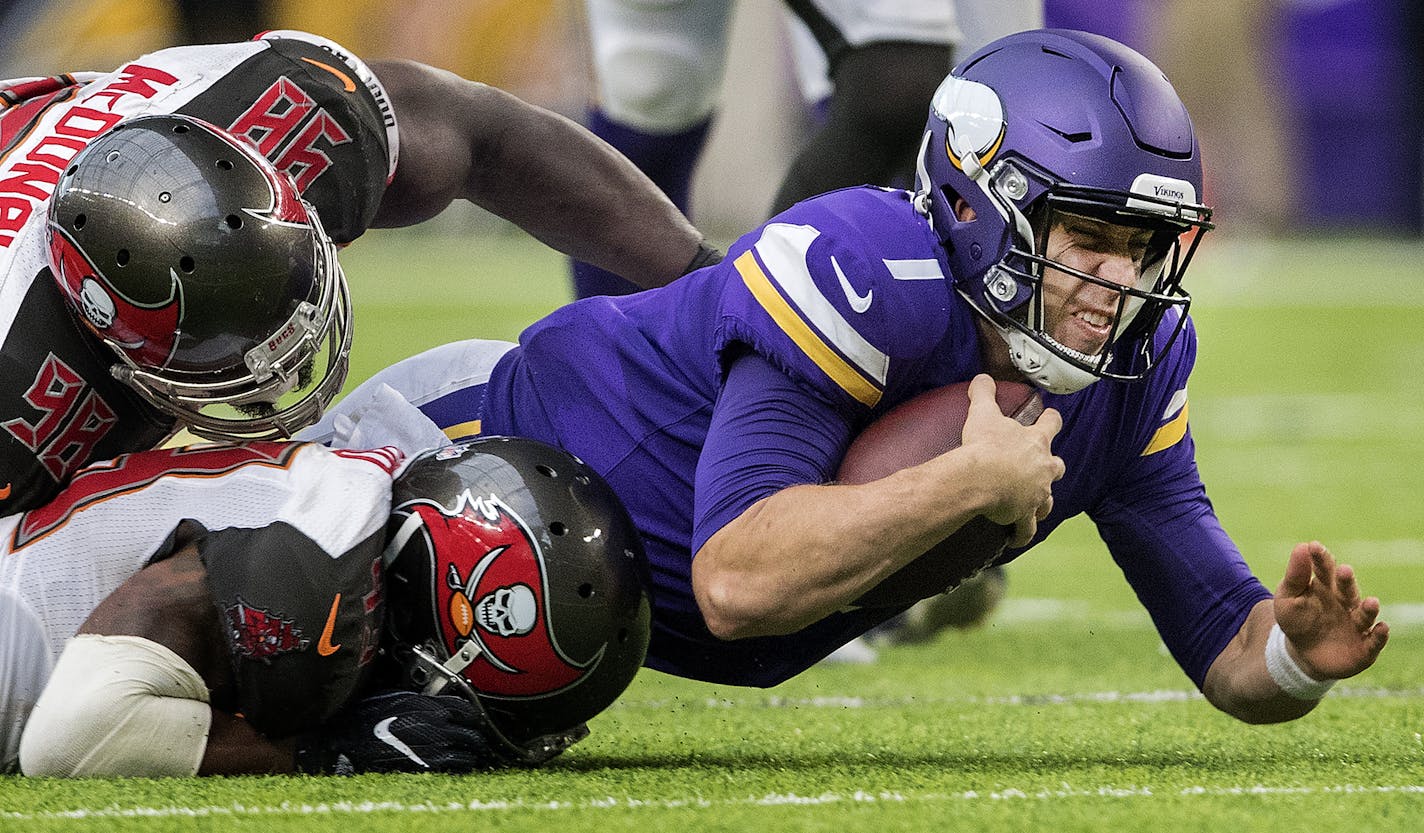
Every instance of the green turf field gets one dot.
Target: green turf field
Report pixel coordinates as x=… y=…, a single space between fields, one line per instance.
x=1064 y=714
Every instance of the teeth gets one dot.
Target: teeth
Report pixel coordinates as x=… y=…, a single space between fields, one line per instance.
x=1096 y=319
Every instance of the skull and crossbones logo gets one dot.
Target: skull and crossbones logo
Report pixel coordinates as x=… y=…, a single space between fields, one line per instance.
x=506 y=611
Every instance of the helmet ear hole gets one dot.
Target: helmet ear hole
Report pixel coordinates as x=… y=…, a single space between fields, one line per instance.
x=122 y=258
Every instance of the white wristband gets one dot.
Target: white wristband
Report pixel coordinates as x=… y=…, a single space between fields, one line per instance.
x=1288 y=674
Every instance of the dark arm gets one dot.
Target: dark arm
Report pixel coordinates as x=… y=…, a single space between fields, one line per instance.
x=464 y=140
x=169 y=603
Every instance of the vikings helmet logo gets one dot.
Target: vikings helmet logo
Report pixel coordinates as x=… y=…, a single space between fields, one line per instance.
x=493 y=589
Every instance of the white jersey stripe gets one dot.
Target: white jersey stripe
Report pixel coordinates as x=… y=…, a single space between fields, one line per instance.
x=782 y=250
x=915 y=270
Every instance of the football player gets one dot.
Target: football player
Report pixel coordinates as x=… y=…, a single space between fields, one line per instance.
x=168 y=233
x=867 y=68
x=1056 y=212
x=265 y=606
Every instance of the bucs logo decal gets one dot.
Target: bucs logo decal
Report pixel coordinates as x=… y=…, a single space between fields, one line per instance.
x=147 y=332
x=491 y=587
x=260 y=635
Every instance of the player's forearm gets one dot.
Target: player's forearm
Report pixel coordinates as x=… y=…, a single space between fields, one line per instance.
x=235 y=748
x=533 y=167
x=1238 y=682
x=584 y=199
x=803 y=553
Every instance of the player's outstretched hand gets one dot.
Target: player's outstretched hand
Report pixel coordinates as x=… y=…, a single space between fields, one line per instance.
x=401 y=731
x=1018 y=460
x=1334 y=633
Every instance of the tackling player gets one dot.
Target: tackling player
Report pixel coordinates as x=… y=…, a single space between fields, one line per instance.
x=1056 y=212
x=188 y=260
x=260 y=607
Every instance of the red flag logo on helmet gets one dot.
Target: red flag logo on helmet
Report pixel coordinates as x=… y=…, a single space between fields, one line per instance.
x=492 y=587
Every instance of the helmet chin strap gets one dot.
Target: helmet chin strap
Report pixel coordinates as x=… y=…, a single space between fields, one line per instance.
x=1041 y=366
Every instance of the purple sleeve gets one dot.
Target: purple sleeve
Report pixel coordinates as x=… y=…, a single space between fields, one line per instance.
x=767 y=433
x=1163 y=533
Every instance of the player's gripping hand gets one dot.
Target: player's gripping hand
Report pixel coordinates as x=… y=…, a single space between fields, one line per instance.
x=1016 y=459
x=401 y=731
x=1333 y=633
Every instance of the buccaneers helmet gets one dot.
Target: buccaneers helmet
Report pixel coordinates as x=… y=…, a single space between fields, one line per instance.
x=203 y=270
x=1050 y=122
x=515 y=578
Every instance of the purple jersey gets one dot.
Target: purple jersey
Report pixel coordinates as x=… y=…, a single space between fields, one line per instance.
x=700 y=398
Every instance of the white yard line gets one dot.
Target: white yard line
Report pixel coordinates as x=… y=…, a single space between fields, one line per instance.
x=773 y=701
x=770 y=800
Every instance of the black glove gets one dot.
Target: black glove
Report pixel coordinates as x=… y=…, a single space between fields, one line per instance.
x=403 y=731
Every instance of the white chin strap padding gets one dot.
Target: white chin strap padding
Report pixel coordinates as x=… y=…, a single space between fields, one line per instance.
x=1042 y=367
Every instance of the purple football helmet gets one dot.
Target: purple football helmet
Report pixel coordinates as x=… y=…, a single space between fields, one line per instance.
x=1051 y=122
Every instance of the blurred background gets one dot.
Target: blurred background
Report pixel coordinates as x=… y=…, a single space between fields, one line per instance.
x=1310 y=112
x=1311 y=118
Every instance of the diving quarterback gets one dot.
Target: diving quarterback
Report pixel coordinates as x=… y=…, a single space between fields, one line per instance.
x=168 y=233
x=270 y=606
x=1056 y=211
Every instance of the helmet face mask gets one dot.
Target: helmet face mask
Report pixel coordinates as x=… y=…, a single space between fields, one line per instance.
x=200 y=267
x=1108 y=140
x=516 y=580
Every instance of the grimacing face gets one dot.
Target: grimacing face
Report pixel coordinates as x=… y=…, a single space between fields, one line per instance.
x=1077 y=314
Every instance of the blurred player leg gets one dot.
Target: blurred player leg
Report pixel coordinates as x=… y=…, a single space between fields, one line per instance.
x=981 y=21
x=885 y=59
x=659 y=69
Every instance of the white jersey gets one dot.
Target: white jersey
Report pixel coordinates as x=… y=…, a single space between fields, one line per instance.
x=58 y=562
x=314 y=110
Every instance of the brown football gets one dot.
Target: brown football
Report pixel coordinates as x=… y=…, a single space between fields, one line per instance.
x=911 y=433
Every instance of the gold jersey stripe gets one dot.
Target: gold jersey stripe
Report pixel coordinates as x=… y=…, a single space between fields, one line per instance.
x=810 y=343
x=461 y=430
x=1170 y=434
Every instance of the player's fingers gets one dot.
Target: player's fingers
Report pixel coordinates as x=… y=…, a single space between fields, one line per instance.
x=1345 y=587
x=1376 y=639
x=1322 y=563
x=1297 y=577
x=1049 y=423
x=1023 y=532
x=1366 y=614
x=981 y=393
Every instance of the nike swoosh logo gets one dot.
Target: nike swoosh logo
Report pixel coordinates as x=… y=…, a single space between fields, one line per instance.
x=858 y=302
x=323 y=645
x=382 y=731
x=345 y=79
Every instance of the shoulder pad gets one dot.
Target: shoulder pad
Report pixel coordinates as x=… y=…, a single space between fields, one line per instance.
x=839 y=288
x=1165 y=390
